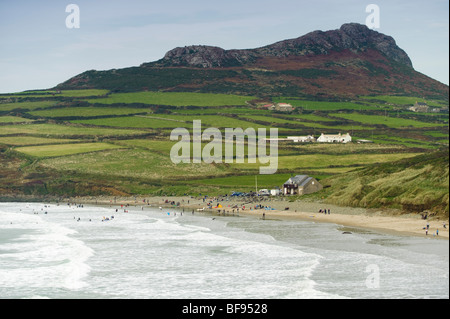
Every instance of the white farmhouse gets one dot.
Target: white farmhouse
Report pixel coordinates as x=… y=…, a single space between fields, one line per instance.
x=334 y=138
x=302 y=139
x=284 y=107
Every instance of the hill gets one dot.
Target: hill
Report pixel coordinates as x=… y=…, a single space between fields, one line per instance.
x=108 y=132
x=343 y=63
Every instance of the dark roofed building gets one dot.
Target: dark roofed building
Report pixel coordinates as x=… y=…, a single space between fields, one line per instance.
x=301 y=185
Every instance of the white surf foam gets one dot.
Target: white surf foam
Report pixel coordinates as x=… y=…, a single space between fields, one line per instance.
x=45 y=255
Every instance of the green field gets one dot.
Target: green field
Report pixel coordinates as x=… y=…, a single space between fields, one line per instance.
x=165 y=146
x=87 y=112
x=405 y=100
x=393 y=122
x=132 y=163
x=240 y=110
x=438 y=134
x=277 y=120
x=150 y=122
x=319 y=161
x=217 y=121
x=32 y=140
x=151 y=160
x=64 y=130
x=174 y=99
x=325 y=105
x=313 y=118
x=64 y=149
x=83 y=93
x=26 y=105
x=13 y=119
x=407 y=142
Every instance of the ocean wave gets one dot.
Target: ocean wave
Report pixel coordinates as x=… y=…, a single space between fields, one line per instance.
x=45 y=254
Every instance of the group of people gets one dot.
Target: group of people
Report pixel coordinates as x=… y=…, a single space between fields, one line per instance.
x=172 y=202
x=325 y=211
x=427 y=228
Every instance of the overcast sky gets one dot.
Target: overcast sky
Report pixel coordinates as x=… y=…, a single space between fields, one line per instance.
x=38 y=51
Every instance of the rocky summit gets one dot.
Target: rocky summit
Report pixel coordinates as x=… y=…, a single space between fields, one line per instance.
x=350 y=61
x=354 y=37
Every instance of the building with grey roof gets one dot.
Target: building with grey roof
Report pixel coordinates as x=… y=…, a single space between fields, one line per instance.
x=301 y=185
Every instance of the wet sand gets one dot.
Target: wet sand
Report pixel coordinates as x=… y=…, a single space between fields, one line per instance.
x=278 y=208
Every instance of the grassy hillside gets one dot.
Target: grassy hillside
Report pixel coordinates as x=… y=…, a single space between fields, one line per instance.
x=414 y=184
x=93 y=142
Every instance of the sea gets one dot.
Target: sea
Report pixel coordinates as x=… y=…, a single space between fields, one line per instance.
x=74 y=251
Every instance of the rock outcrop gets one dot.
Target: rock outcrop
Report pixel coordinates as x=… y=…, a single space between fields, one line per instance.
x=354 y=37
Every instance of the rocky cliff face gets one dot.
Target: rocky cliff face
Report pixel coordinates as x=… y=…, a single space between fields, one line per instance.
x=354 y=37
x=204 y=56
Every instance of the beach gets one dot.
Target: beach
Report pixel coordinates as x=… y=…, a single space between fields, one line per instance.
x=128 y=250
x=281 y=208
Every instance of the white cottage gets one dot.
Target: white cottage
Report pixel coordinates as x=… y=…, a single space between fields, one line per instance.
x=302 y=139
x=284 y=107
x=334 y=138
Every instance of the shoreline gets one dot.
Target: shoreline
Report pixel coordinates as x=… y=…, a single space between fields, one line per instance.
x=380 y=220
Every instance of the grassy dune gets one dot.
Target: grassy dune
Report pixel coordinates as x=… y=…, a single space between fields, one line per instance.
x=414 y=184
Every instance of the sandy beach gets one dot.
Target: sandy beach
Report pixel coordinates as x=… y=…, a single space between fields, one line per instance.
x=282 y=208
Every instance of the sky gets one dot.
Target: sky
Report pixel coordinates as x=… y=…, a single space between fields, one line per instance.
x=38 y=50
